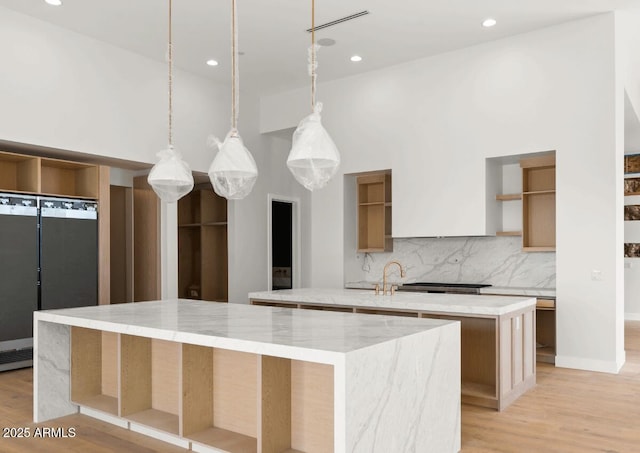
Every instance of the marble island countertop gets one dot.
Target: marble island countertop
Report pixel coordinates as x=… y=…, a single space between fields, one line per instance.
x=490 y=290
x=261 y=330
x=428 y=302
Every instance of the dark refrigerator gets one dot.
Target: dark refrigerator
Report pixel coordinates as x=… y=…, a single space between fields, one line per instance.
x=48 y=260
x=18 y=278
x=68 y=253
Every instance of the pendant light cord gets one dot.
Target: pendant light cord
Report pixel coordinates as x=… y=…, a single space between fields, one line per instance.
x=313 y=54
x=170 y=51
x=234 y=67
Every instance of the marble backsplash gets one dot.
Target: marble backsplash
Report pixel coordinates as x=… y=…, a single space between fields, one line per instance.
x=498 y=261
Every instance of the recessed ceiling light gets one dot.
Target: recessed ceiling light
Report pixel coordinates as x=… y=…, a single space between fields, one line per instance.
x=212 y=63
x=54 y=2
x=489 y=22
x=356 y=58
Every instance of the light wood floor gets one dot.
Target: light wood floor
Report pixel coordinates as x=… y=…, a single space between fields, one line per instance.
x=568 y=411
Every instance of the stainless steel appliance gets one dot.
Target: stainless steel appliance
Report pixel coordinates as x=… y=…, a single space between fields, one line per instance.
x=452 y=288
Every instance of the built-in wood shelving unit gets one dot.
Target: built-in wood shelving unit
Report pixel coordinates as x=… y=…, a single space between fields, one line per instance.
x=539 y=203
x=34 y=175
x=546 y=330
x=374 y=212
x=202 y=245
x=44 y=176
x=233 y=401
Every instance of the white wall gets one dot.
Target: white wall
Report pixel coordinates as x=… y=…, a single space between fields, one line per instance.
x=248 y=241
x=65 y=90
x=628 y=40
x=434 y=122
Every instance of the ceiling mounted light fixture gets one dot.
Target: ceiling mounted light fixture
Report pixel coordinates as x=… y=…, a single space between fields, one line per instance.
x=54 y=2
x=171 y=177
x=356 y=58
x=233 y=171
x=489 y=22
x=314 y=158
x=212 y=63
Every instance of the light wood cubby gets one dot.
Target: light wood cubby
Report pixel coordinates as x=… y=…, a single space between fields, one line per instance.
x=539 y=203
x=45 y=176
x=546 y=331
x=202 y=245
x=374 y=212
x=19 y=173
x=232 y=401
x=94 y=369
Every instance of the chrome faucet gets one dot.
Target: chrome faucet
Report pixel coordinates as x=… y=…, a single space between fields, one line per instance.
x=384 y=278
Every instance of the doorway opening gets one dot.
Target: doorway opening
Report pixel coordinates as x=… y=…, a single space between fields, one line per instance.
x=283 y=243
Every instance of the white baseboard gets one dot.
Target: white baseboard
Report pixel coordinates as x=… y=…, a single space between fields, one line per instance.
x=601 y=366
x=632 y=316
x=160 y=435
x=113 y=419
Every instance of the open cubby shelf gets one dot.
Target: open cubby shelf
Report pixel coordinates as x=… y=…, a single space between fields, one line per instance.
x=202 y=245
x=40 y=175
x=236 y=402
x=539 y=203
x=374 y=212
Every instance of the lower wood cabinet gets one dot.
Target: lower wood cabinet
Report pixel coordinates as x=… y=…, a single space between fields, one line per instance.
x=546 y=331
x=213 y=399
x=498 y=359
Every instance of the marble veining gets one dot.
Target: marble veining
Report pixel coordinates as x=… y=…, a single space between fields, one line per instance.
x=51 y=371
x=396 y=380
x=434 y=382
x=498 y=261
x=442 y=303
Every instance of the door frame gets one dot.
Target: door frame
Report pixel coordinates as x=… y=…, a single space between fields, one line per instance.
x=296 y=260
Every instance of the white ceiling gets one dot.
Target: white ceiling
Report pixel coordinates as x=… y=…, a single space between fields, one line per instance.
x=273 y=37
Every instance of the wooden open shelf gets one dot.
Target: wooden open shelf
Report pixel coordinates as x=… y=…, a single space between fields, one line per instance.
x=232 y=401
x=94 y=366
x=202 y=246
x=149 y=383
x=71 y=179
x=19 y=173
x=538 y=203
x=374 y=212
x=546 y=332
x=44 y=176
x=509 y=197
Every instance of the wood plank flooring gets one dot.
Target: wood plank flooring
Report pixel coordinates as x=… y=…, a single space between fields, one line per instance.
x=568 y=411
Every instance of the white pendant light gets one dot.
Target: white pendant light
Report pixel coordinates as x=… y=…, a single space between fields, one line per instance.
x=171 y=177
x=233 y=171
x=314 y=158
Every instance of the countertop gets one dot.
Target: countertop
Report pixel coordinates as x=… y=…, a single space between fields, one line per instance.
x=428 y=302
x=491 y=290
x=263 y=330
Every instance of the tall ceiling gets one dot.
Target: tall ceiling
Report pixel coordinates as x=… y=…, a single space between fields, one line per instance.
x=274 y=41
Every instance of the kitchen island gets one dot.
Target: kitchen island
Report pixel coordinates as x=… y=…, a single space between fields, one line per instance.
x=497 y=332
x=237 y=378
